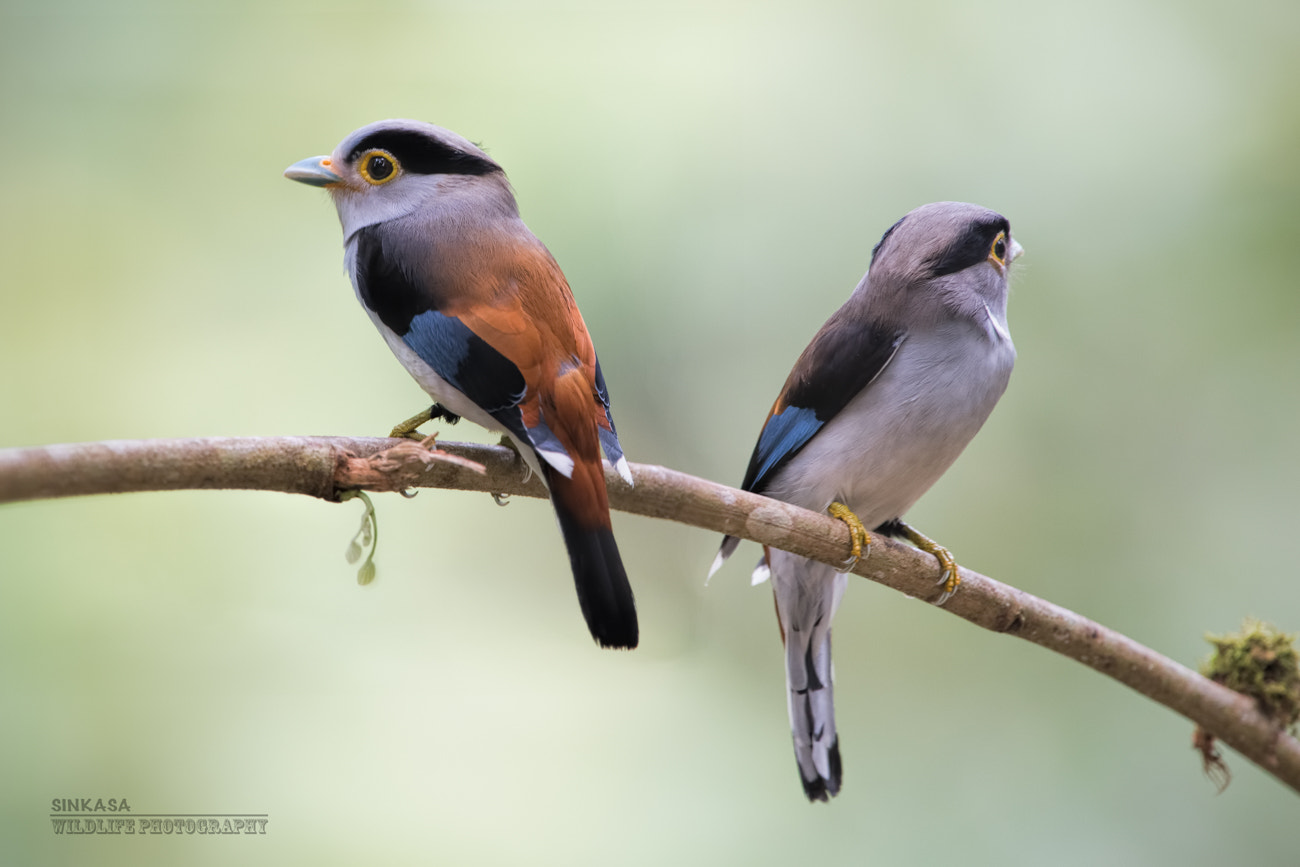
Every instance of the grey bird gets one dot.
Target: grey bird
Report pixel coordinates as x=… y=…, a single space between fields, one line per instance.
x=878 y=406
x=479 y=313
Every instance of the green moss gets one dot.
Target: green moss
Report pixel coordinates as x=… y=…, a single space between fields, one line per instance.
x=1262 y=663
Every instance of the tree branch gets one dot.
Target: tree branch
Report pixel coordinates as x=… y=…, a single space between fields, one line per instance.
x=324 y=466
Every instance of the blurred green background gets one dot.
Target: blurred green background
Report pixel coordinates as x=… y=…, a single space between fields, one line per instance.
x=712 y=177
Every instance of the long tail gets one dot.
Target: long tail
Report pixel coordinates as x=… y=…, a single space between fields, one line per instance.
x=603 y=589
x=582 y=508
x=806 y=598
x=812 y=714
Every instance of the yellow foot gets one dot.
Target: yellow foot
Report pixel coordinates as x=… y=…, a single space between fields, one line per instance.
x=858 y=534
x=408 y=429
x=948 y=576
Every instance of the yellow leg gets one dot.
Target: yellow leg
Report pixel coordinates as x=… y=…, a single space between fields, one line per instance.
x=408 y=428
x=948 y=576
x=860 y=538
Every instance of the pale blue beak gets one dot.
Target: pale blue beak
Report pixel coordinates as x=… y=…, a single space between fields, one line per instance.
x=314 y=171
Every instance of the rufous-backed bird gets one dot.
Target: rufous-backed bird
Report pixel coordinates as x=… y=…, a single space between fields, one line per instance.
x=480 y=314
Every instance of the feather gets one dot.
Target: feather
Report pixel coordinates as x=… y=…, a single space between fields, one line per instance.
x=807 y=595
x=582 y=509
x=843 y=359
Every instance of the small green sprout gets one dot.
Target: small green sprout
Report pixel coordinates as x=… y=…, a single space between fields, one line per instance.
x=367 y=537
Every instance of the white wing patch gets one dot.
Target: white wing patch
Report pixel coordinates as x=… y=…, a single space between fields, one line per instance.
x=624 y=470
x=562 y=463
x=717 y=564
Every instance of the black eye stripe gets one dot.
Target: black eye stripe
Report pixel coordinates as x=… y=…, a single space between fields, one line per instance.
x=422 y=155
x=971 y=248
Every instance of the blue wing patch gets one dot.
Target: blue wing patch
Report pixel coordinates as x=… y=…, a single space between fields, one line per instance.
x=471 y=365
x=844 y=358
x=462 y=358
x=782 y=437
x=608 y=438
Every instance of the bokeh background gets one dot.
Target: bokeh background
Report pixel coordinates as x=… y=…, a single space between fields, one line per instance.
x=712 y=177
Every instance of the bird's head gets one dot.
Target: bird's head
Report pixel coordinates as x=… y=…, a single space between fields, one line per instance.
x=941 y=260
x=392 y=168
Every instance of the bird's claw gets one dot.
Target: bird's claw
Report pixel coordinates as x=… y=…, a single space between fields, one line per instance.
x=949 y=577
x=409 y=429
x=501 y=499
x=859 y=538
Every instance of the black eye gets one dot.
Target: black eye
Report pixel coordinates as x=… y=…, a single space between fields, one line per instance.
x=378 y=167
x=999 y=250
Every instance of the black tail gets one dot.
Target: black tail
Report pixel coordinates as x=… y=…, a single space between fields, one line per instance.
x=824 y=788
x=603 y=589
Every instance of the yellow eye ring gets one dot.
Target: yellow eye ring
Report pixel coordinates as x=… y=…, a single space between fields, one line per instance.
x=998 y=249
x=378 y=167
